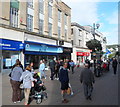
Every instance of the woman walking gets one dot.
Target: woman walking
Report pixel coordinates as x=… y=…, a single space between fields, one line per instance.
x=15 y=83
x=42 y=70
x=27 y=82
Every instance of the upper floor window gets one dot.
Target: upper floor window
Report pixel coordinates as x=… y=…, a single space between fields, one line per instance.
x=30 y=3
x=50 y=29
x=14 y=17
x=59 y=32
x=41 y=26
x=86 y=35
x=59 y=15
x=80 y=32
x=41 y=6
x=49 y=10
x=65 y=18
x=65 y=34
x=71 y=31
x=29 y=22
x=79 y=42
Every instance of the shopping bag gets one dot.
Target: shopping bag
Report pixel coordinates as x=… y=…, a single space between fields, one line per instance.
x=68 y=91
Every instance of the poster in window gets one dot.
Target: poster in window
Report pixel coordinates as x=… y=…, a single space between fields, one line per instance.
x=8 y=62
x=13 y=58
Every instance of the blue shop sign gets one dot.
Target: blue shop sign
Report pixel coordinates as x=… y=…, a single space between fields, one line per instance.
x=42 y=48
x=11 y=45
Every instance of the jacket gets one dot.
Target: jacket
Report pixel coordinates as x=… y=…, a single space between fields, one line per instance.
x=63 y=75
x=27 y=79
x=114 y=63
x=16 y=73
x=87 y=76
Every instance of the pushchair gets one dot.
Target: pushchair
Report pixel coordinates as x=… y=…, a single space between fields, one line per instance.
x=38 y=91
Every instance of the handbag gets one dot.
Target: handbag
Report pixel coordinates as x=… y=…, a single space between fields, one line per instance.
x=21 y=86
x=10 y=74
x=68 y=91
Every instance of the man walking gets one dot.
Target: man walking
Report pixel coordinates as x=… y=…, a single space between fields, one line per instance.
x=114 y=65
x=64 y=79
x=87 y=78
x=52 y=68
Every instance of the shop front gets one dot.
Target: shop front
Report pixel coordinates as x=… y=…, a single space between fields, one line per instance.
x=34 y=52
x=66 y=53
x=11 y=50
x=82 y=56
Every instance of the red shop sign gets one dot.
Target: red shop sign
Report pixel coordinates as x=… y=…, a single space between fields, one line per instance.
x=80 y=53
x=83 y=54
x=86 y=54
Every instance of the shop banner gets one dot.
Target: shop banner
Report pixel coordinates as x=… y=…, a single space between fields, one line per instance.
x=11 y=45
x=43 y=48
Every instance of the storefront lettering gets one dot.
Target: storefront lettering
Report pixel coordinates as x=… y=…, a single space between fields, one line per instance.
x=2 y=44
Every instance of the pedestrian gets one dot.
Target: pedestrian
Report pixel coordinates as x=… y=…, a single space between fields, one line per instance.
x=27 y=78
x=15 y=83
x=114 y=65
x=88 y=62
x=57 y=67
x=52 y=68
x=64 y=80
x=72 y=64
x=31 y=66
x=17 y=60
x=42 y=70
x=87 y=78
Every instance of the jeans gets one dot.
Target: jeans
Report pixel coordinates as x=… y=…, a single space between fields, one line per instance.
x=42 y=73
x=88 y=88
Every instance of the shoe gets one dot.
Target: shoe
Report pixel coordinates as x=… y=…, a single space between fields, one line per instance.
x=89 y=98
x=71 y=93
x=65 y=101
x=57 y=78
x=14 y=102
x=18 y=101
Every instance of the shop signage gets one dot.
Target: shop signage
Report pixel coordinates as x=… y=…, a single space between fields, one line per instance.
x=11 y=45
x=83 y=54
x=42 y=48
x=67 y=50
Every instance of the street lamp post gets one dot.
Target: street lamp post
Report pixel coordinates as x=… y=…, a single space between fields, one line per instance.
x=95 y=26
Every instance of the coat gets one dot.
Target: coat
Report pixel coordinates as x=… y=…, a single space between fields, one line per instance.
x=87 y=76
x=27 y=78
x=63 y=75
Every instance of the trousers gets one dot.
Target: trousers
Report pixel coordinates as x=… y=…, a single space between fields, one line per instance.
x=88 y=88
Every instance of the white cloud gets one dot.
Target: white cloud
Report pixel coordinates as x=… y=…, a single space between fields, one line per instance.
x=113 y=19
x=84 y=13
x=112 y=36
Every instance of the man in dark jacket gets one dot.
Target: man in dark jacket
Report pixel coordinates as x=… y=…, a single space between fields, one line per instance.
x=114 y=65
x=64 y=79
x=52 y=68
x=87 y=78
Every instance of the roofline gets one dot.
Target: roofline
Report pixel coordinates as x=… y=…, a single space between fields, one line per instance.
x=66 y=5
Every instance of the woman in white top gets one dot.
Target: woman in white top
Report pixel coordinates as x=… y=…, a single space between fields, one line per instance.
x=27 y=82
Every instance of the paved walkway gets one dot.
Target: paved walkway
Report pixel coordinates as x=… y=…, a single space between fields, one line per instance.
x=105 y=90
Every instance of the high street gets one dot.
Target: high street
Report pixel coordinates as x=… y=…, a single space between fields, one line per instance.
x=105 y=90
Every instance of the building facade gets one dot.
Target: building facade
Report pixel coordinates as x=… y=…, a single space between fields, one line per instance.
x=41 y=28
x=80 y=35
